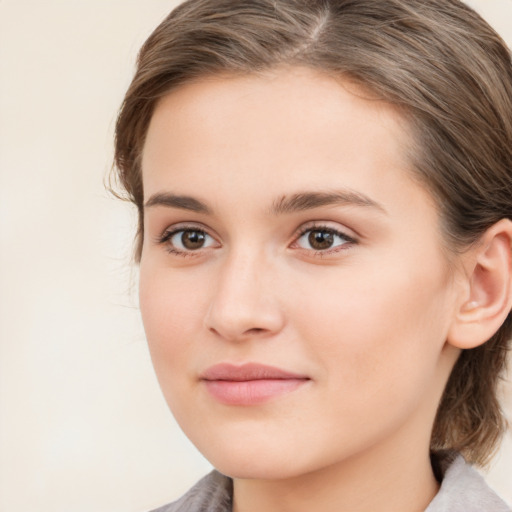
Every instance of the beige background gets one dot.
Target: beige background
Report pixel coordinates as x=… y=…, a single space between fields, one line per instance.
x=83 y=426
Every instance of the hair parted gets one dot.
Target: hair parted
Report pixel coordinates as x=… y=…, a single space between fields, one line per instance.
x=438 y=61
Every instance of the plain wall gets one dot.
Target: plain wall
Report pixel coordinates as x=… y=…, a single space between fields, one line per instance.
x=83 y=426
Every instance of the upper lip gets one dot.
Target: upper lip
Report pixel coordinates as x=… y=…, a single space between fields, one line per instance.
x=248 y=371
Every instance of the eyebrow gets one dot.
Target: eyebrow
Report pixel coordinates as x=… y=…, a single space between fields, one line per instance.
x=286 y=204
x=309 y=200
x=176 y=201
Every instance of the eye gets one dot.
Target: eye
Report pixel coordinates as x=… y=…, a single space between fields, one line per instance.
x=186 y=240
x=322 y=239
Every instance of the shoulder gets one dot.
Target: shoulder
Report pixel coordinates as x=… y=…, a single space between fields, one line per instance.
x=464 y=490
x=211 y=494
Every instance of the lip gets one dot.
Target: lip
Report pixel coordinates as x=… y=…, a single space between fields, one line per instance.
x=249 y=384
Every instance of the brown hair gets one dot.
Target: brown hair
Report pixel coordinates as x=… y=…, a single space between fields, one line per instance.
x=436 y=60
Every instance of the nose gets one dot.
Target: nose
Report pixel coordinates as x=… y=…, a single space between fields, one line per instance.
x=244 y=302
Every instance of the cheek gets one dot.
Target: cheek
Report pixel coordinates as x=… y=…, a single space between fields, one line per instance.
x=377 y=331
x=171 y=312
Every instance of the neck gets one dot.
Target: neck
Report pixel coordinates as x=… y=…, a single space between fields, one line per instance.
x=394 y=483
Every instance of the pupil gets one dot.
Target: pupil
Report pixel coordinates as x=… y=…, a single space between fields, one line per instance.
x=192 y=239
x=321 y=239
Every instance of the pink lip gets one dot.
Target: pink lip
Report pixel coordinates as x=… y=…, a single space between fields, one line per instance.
x=249 y=384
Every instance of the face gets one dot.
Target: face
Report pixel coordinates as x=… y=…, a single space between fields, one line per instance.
x=293 y=286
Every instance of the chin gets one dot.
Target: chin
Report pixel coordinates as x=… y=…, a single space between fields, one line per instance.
x=256 y=469
x=252 y=457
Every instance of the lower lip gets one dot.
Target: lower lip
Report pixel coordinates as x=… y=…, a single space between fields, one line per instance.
x=251 y=392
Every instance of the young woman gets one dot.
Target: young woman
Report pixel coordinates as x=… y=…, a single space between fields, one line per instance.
x=324 y=194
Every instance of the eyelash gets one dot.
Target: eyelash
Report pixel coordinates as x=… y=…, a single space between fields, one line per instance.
x=167 y=235
x=348 y=240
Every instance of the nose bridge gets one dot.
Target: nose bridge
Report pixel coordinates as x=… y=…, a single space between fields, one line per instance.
x=243 y=300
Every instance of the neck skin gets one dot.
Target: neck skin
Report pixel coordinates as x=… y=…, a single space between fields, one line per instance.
x=391 y=476
x=388 y=482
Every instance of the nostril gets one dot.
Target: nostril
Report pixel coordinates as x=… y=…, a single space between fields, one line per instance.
x=214 y=331
x=249 y=332
x=254 y=330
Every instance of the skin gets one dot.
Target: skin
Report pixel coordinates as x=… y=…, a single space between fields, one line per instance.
x=366 y=320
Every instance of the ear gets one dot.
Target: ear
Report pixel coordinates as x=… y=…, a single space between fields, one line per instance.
x=486 y=299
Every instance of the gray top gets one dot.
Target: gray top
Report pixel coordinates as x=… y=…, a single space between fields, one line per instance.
x=462 y=490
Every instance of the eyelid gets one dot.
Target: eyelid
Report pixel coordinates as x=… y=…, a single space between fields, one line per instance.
x=183 y=226
x=326 y=226
x=166 y=235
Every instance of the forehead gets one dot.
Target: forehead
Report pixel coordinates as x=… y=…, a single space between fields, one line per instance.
x=282 y=119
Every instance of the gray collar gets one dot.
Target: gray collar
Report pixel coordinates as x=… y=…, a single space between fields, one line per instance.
x=464 y=490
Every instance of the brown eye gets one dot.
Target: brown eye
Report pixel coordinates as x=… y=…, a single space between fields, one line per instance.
x=188 y=240
x=320 y=239
x=193 y=239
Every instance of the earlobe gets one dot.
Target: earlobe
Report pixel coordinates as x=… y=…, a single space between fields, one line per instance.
x=487 y=298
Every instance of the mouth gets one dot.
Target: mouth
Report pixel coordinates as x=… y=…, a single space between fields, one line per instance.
x=249 y=384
